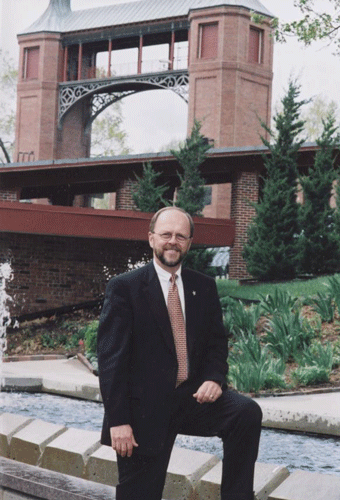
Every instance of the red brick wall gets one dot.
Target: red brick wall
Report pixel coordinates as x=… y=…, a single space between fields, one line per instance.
x=124 y=200
x=37 y=99
x=228 y=93
x=245 y=189
x=51 y=272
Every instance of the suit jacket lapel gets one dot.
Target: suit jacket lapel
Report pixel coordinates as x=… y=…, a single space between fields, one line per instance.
x=155 y=297
x=191 y=311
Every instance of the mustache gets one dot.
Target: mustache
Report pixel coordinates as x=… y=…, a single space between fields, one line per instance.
x=172 y=247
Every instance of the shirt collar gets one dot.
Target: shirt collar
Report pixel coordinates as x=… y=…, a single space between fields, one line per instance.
x=163 y=274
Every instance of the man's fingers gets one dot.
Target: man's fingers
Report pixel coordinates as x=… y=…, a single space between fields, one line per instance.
x=123 y=440
x=209 y=392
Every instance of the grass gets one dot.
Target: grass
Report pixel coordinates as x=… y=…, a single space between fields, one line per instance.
x=297 y=288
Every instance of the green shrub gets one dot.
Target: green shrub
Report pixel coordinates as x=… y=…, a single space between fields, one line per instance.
x=323 y=305
x=336 y=354
x=318 y=355
x=280 y=301
x=310 y=375
x=334 y=288
x=239 y=319
x=252 y=367
x=286 y=334
x=90 y=337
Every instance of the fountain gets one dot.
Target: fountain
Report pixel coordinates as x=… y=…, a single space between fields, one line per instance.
x=5 y=277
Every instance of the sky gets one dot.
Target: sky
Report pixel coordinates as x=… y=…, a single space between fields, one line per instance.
x=162 y=114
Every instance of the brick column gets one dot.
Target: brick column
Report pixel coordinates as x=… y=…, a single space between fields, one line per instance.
x=245 y=189
x=124 y=200
x=10 y=194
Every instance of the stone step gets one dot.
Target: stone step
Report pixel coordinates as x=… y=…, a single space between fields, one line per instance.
x=303 y=485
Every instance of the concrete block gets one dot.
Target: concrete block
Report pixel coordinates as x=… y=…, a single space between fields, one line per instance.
x=102 y=466
x=267 y=478
x=14 y=495
x=69 y=452
x=9 y=424
x=186 y=467
x=24 y=481
x=303 y=485
x=21 y=384
x=28 y=444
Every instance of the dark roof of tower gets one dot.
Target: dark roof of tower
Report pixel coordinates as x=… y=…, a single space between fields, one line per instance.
x=66 y=21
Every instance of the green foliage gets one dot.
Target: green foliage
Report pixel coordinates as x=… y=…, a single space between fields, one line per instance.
x=271 y=248
x=318 y=355
x=333 y=285
x=310 y=375
x=252 y=367
x=89 y=333
x=240 y=320
x=296 y=288
x=200 y=259
x=107 y=136
x=279 y=301
x=315 y=114
x=8 y=81
x=190 y=194
x=315 y=24
x=323 y=305
x=286 y=334
x=319 y=245
x=148 y=196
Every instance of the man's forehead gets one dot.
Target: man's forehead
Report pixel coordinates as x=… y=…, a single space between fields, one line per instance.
x=173 y=218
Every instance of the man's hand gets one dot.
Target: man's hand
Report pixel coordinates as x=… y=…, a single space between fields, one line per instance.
x=208 y=392
x=123 y=440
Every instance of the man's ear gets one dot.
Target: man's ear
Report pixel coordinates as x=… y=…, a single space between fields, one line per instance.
x=150 y=236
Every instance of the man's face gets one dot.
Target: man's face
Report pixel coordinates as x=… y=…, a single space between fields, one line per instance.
x=169 y=252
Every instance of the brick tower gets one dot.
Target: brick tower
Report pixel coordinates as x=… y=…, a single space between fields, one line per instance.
x=229 y=70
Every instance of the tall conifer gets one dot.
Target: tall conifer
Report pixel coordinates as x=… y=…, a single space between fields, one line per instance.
x=319 y=240
x=190 y=194
x=148 y=196
x=271 y=248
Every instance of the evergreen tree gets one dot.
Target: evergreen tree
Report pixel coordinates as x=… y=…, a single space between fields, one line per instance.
x=271 y=248
x=190 y=195
x=148 y=197
x=319 y=241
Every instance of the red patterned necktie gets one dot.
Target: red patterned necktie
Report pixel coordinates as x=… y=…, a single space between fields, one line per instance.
x=178 y=329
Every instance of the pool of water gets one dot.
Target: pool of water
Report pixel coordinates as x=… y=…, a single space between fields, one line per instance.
x=293 y=450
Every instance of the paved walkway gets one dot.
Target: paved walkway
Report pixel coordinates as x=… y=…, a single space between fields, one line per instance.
x=319 y=413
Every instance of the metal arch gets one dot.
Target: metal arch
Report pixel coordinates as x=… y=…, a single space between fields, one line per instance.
x=70 y=93
x=100 y=102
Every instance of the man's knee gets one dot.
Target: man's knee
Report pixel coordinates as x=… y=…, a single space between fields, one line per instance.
x=247 y=415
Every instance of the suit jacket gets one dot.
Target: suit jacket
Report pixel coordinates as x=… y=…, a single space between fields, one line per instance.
x=136 y=351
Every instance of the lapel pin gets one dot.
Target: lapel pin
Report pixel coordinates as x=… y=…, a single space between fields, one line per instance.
x=194 y=292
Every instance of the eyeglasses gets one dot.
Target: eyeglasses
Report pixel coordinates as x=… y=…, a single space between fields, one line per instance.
x=178 y=237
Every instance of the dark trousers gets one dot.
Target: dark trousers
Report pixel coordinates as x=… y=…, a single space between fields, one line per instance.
x=236 y=419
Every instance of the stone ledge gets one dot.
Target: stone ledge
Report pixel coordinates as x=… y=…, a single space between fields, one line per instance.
x=267 y=478
x=308 y=486
x=9 y=425
x=300 y=421
x=21 y=384
x=34 y=482
x=33 y=357
x=29 y=443
x=69 y=452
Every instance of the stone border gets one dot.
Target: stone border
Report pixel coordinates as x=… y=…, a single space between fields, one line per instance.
x=46 y=451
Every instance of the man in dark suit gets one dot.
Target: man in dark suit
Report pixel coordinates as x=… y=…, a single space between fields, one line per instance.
x=162 y=353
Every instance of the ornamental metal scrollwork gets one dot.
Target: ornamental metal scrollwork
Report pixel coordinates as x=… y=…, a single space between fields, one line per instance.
x=71 y=93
